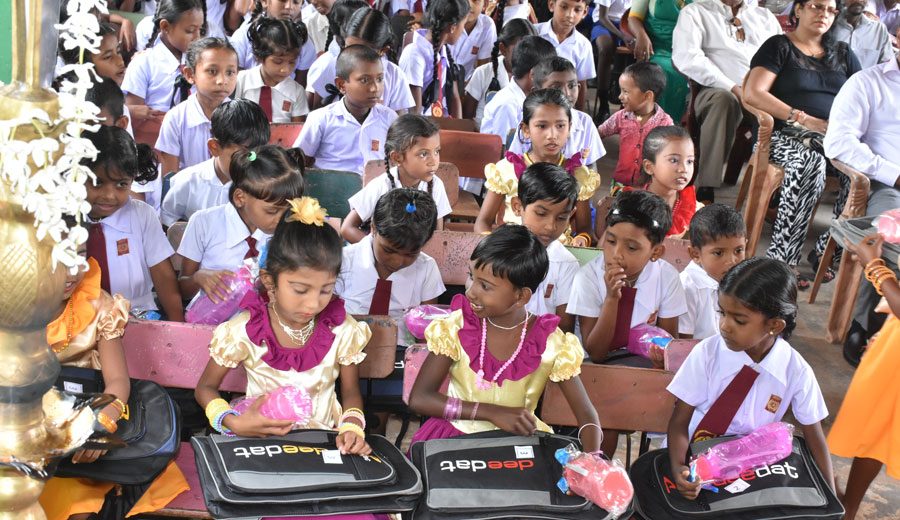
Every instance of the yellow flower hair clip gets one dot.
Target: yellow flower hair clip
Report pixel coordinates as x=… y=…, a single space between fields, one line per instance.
x=307 y=211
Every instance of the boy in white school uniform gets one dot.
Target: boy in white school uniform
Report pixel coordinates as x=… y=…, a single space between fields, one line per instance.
x=236 y=126
x=718 y=243
x=346 y=135
x=475 y=44
x=397 y=95
x=569 y=43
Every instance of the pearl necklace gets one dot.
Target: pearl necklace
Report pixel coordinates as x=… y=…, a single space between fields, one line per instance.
x=480 y=382
x=298 y=336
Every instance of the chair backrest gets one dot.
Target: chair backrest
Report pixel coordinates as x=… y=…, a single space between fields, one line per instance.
x=677 y=252
x=451 y=250
x=758 y=200
x=284 y=134
x=470 y=151
x=175 y=234
x=451 y=123
x=626 y=398
x=677 y=351
x=147 y=132
x=448 y=173
x=332 y=188
x=175 y=354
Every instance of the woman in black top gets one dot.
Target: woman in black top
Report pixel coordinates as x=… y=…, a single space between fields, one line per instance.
x=795 y=77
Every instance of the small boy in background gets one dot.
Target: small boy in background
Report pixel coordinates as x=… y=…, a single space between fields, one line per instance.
x=569 y=43
x=503 y=112
x=236 y=127
x=347 y=134
x=110 y=99
x=641 y=84
x=718 y=242
x=546 y=203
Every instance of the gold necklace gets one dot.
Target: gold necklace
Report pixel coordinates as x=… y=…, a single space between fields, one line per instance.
x=69 y=314
x=298 y=336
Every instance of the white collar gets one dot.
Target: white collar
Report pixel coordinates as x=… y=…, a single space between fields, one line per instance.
x=194 y=115
x=163 y=58
x=515 y=89
x=119 y=220
x=546 y=29
x=207 y=171
x=365 y=272
x=775 y=362
x=700 y=276
x=425 y=45
x=255 y=80
x=235 y=229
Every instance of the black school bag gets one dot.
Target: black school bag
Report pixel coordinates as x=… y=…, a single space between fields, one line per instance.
x=495 y=475
x=791 y=489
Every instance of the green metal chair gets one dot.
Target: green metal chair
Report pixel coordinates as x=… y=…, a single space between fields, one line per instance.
x=332 y=188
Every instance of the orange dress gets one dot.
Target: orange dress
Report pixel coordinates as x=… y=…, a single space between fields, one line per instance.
x=868 y=424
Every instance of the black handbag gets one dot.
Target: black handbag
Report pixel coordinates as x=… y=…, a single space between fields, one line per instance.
x=811 y=139
x=150 y=432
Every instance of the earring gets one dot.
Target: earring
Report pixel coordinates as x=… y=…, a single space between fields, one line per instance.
x=771 y=333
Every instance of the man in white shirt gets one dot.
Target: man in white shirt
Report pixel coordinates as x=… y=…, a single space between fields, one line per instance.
x=869 y=39
x=889 y=13
x=863 y=132
x=712 y=44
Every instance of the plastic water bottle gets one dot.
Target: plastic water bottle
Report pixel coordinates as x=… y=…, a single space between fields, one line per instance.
x=591 y=476
x=205 y=311
x=286 y=403
x=726 y=461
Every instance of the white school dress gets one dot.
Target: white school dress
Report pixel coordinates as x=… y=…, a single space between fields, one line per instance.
x=701 y=293
x=191 y=190
x=575 y=48
x=417 y=64
x=339 y=142
x=135 y=242
x=503 y=113
x=556 y=287
x=397 y=95
x=365 y=200
x=511 y=12
x=151 y=76
x=583 y=139
x=288 y=97
x=184 y=132
x=480 y=82
x=316 y=26
x=785 y=381
x=475 y=45
x=410 y=286
x=658 y=287
x=240 y=40
x=216 y=238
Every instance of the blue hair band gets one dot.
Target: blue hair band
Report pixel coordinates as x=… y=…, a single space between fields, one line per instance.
x=410 y=207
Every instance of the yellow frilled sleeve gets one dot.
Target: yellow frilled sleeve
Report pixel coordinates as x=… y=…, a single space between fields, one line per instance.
x=588 y=182
x=501 y=178
x=113 y=316
x=569 y=356
x=350 y=338
x=442 y=338
x=230 y=346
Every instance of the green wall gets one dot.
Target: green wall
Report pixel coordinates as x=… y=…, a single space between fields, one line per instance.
x=5 y=40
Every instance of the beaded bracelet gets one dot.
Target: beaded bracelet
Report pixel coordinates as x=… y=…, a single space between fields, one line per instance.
x=107 y=422
x=350 y=427
x=219 y=420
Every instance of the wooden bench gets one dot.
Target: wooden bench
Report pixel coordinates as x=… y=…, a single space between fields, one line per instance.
x=175 y=354
x=284 y=134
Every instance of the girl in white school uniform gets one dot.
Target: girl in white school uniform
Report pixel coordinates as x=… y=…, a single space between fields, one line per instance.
x=413 y=146
x=212 y=69
x=125 y=235
x=474 y=46
x=218 y=240
x=373 y=29
x=276 y=45
x=427 y=62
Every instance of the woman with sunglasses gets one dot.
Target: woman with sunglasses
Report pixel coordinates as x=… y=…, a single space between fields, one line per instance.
x=795 y=77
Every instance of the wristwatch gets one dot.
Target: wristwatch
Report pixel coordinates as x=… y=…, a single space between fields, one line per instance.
x=792 y=117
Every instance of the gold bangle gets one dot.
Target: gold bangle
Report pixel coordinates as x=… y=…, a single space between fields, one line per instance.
x=586 y=236
x=874 y=262
x=878 y=283
x=350 y=427
x=873 y=272
x=107 y=423
x=348 y=410
x=215 y=408
x=881 y=274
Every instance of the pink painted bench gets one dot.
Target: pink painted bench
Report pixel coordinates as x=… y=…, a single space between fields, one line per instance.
x=175 y=354
x=451 y=250
x=677 y=351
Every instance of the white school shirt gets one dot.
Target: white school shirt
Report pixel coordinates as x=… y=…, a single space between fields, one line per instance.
x=658 y=291
x=511 y=12
x=556 y=287
x=504 y=112
x=705 y=47
x=701 y=292
x=135 y=231
x=339 y=142
x=184 y=132
x=151 y=76
x=785 y=380
x=192 y=190
x=215 y=18
x=575 y=48
x=317 y=27
x=397 y=95
x=364 y=201
x=240 y=40
x=411 y=286
x=288 y=97
x=475 y=45
x=417 y=64
x=583 y=138
x=142 y=32
x=216 y=238
x=478 y=85
x=614 y=9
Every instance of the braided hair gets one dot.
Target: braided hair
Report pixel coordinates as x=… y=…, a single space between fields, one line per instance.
x=269 y=36
x=402 y=135
x=340 y=13
x=498 y=15
x=171 y=11
x=439 y=16
x=371 y=26
x=509 y=36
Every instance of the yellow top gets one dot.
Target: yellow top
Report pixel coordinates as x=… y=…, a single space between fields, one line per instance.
x=110 y=318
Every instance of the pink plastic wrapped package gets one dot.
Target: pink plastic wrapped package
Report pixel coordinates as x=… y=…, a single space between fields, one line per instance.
x=591 y=476
x=205 y=311
x=287 y=403
x=888 y=224
x=726 y=461
x=418 y=318
x=642 y=336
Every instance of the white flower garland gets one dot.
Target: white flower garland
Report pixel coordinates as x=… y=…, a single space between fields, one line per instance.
x=57 y=189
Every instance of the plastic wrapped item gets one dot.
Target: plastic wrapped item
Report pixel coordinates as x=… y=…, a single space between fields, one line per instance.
x=591 y=476
x=205 y=311
x=418 y=318
x=642 y=336
x=726 y=461
x=287 y=403
x=888 y=224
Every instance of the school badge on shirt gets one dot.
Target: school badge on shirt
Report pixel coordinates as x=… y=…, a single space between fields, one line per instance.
x=375 y=145
x=475 y=50
x=286 y=106
x=549 y=291
x=122 y=247
x=773 y=404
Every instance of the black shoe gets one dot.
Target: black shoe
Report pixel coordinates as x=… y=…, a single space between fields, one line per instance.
x=857 y=338
x=706 y=195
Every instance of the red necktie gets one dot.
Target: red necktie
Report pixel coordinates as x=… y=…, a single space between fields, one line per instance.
x=417 y=7
x=251 y=251
x=96 y=249
x=381 y=298
x=265 y=101
x=623 y=318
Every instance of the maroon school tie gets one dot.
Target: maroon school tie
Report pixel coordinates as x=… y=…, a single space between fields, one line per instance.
x=381 y=298
x=96 y=249
x=265 y=101
x=251 y=250
x=623 y=318
x=719 y=416
x=418 y=7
